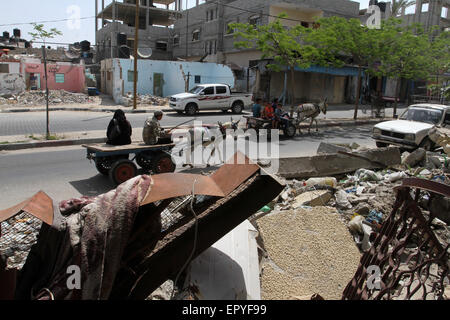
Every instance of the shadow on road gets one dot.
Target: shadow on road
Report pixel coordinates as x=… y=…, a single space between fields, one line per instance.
x=93 y=186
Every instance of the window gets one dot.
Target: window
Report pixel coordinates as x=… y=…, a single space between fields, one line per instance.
x=196 y=35
x=444 y=12
x=255 y=20
x=221 y=90
x=161 y=45
x=425 y=7
x=198 y=79
x=59 y=77
x=130 y=76
x=4 y=68
x=209 y=91
x=176 y=40
x=212 y=14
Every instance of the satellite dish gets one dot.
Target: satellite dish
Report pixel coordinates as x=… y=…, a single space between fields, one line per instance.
x=145 y=53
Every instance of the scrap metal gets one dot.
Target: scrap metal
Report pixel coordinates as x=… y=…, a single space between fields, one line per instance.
x=411 y=261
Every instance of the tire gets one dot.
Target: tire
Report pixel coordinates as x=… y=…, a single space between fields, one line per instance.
x=104 y=164
x=381 y=144
x=144 y=161
x=121 y=171
x=162 y=163
x=238 y=107
x=191 y=109
x=290 y=131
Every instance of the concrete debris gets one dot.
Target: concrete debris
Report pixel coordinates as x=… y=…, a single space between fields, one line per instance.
x=312 y=199
x=334 y=164
x=325 y=148
x=441 y=136
x=307 y=252
x=417 y=157
x=34 y=98
x=145 y=99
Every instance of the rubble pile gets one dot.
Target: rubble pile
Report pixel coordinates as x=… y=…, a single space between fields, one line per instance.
x=146 y=99
x=33 y=98
x=297 y=225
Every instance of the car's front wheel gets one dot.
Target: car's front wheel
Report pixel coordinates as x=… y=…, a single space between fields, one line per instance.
x=381 y=144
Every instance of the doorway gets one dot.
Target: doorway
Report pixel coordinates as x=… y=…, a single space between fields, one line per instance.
x=158 y=84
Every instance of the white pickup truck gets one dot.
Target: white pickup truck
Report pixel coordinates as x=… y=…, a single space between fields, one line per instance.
x=210 y=97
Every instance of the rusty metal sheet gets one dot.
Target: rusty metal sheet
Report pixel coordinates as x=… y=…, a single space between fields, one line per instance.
x=408 y=258
x=230 y=176
x=40 y=206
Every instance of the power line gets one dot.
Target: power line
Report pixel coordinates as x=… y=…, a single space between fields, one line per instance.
x=48 y=21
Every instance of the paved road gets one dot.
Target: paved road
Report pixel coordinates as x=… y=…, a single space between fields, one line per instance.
x=28 y=123
x=65 y=172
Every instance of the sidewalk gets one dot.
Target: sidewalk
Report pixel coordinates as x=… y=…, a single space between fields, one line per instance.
x=19 y=142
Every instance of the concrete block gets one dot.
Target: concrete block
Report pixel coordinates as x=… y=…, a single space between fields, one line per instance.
x=312 y=199
x=334 y=164
x=326 y=148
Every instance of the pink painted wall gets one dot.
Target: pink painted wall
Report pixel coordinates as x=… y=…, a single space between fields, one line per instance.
x=74 y=77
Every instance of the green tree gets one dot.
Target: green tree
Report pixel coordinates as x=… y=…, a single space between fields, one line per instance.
x=41 y=34
x=343 y=41
x=404 y=53
x=279 y=43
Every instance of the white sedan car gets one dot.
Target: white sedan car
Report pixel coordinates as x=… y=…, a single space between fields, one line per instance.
x=412 y=128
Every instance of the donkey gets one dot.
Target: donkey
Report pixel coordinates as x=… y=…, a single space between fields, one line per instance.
x=311 y=110
x=208 y=138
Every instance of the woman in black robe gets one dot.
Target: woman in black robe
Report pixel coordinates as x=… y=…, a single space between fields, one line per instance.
x=123 y=135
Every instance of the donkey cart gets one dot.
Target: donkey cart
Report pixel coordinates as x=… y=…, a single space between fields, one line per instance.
x=114 y=161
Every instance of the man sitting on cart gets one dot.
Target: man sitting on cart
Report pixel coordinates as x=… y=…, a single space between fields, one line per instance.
x=153 y=134
x=280 y=116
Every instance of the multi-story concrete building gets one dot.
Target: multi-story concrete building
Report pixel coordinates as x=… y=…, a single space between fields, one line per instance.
x=116 y=35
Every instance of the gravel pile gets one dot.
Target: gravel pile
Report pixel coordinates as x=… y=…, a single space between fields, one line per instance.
x=147 y=99
x=308 y=251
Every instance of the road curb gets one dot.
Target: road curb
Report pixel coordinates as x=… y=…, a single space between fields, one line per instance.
x=46 y=144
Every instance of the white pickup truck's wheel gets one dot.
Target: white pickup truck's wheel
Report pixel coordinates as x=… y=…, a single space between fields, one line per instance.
x=237 y=107
x=191 y=109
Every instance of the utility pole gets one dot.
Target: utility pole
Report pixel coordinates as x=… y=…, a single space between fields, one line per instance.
x=44 y=55
x=136 y=41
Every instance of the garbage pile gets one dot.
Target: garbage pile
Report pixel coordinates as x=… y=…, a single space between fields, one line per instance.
x=366 y=197
x=146 y=99
x=34 y=98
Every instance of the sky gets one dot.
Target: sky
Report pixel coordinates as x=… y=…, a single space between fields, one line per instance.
x=25 y=11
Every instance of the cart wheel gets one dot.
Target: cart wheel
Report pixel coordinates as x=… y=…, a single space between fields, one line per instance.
x=103 y=165
x=144 y=161
x=122 y=171
x=162 y=163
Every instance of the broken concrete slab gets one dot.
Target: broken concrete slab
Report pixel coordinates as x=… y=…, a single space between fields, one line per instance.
x=335 y=164
x=327 y=148
x=309 y=251
x=441 y=136
x=415 y=158
x=312 y=199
